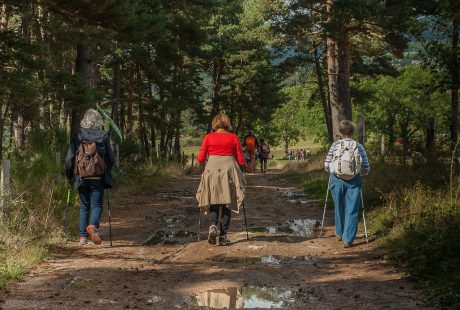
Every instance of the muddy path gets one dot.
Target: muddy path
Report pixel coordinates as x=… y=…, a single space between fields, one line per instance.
x=157 y=263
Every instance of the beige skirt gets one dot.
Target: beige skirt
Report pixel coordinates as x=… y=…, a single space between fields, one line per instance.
x=221 y=183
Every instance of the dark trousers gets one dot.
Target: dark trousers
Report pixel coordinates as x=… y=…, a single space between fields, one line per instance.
x=91 y=194
x=263 y=164
x=225 y=217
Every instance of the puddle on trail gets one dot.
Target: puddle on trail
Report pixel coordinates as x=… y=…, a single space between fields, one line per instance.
x=297 y=227
x=246 y=298
x=288 y=193
x=269 y=260
x=169 y=237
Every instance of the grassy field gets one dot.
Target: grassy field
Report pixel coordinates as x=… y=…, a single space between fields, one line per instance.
x=277 y=151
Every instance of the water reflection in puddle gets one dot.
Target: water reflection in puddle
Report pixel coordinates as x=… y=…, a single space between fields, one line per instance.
x=297 y=227
x=245 y=298
x=269 y=259
x=169 y=237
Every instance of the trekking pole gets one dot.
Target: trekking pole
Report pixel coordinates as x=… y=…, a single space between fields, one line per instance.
x=364 y=217
x=325 y=205
x=199 y=224
x=199 y=210
x=66 y=222
x=110 y=217
x=245 y=222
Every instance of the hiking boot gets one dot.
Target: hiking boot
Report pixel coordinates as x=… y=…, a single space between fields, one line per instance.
x=83 y=240
x=223 y=240
x=212 y=234
x=339 y=237
x=347 y=244
x=93 y=234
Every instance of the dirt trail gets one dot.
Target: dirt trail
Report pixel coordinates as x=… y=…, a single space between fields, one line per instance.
x=282 y=269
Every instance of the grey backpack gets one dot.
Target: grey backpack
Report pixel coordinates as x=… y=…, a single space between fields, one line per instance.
x=346 y=162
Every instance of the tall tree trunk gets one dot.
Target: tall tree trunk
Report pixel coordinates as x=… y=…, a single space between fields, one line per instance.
x=338 y=59
x=142 y=131
x=116 y=93
x=177 y=135
x=129 y=111
x=84 y=67
x=4 y=17
x=151 y=119
x=323 y=96
x=455 y=77
x=218 y=65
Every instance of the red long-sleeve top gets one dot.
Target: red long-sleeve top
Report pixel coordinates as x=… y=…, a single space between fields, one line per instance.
x=221 y=144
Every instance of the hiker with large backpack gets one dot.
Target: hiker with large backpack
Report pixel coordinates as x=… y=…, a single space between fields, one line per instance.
x=222 y=186
x=264 y=154
x=88 y=164
x=346 y=162
x=251 y=144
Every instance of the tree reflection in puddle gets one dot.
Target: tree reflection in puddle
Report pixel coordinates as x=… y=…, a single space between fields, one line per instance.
x=245 y=298
x=297 y=227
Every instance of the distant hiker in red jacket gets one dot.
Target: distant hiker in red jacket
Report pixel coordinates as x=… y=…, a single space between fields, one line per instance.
x=251 y=144
x=222 y=185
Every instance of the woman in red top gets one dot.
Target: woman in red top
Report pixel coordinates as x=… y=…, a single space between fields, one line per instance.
x=222 y=185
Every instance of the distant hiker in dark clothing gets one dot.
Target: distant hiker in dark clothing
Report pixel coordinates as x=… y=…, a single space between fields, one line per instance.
x=88 y=165
x=251 y=144
x=222 y=185
x=264 y=154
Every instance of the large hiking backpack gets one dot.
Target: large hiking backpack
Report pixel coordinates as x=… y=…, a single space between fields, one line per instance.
x=250 y=143
x=346 y=162
x=88 y=161
x=264 y=148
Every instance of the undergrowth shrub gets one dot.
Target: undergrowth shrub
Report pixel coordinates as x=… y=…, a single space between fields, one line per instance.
x=34 y=218
x=415 y=216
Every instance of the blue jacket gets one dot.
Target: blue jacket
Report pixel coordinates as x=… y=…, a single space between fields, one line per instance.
x=103 y=147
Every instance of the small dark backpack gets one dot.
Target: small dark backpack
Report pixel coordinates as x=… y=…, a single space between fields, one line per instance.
x=88 y=161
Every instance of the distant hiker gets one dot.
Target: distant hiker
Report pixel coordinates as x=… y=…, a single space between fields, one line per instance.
x=222 y=185
x=264 y=154
x=251 y=144
x=346 y=162
x=88 y=165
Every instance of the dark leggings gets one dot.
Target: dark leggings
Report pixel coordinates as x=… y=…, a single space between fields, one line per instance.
x=225 y=217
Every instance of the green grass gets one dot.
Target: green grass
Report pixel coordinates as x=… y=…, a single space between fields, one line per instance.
x=36 y=214
x=277 y=151
x=413 y=216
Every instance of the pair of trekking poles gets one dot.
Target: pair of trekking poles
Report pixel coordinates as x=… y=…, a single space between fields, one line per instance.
x=362 y=206
x=66 y=223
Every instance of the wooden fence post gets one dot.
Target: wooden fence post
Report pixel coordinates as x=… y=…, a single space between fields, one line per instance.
x=5 y=186
x=193 y=159
x=362 y=130
x=57 y=159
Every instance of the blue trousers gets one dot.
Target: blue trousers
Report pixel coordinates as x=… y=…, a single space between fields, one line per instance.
x=347 y=198
x=91 y=194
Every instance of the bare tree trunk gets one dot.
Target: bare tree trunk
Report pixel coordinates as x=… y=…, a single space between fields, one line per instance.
x=142 y=131
x=324 y=99
x=129 y=111
x=455 y=77
x=338 y=59
x=84 y=67
x=216 y=82
x=4 y=18
x=177 y=135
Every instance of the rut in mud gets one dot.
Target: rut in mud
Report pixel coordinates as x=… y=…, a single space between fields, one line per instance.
x=157 y=263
